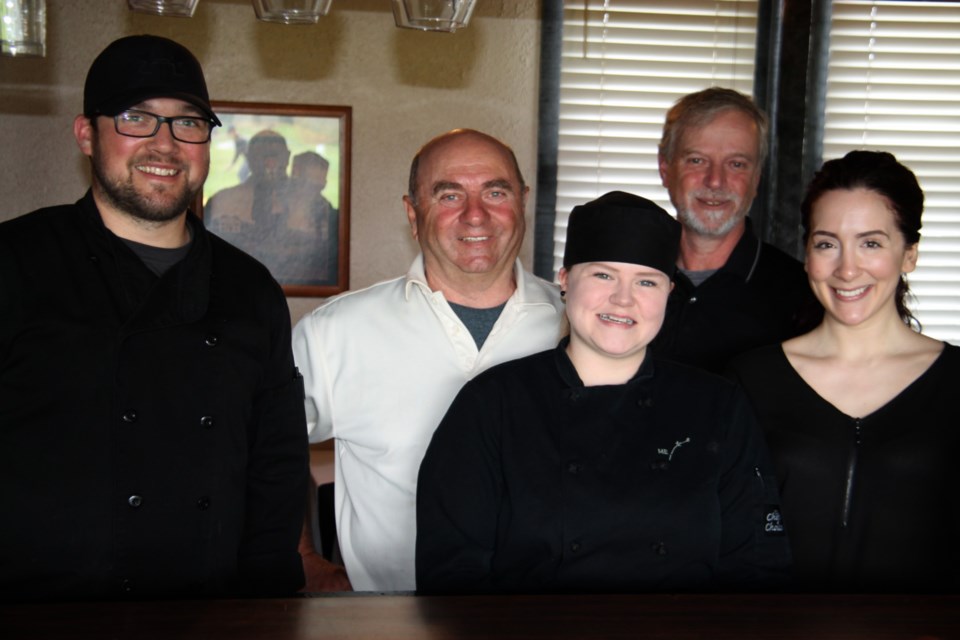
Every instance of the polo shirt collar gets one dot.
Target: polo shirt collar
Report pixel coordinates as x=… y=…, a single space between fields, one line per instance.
x=745 y=256
x=417 y=277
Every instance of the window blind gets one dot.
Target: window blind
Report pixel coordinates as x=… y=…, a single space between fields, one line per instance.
x=624 y=64
x=893 y=84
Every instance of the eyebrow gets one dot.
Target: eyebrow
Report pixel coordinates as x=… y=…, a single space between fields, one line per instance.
x=187 y=111
x=499 y=183
x=862 y=234
x=445 y=185
x=696 y=151
x=646 y=271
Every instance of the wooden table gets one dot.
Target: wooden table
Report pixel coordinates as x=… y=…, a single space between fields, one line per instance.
x=402 y=617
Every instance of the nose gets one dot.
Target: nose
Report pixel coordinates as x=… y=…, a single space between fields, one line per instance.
x=622 y=294
x=714 y=177
x=847 y=267
x=163 y=138
x=474 y=213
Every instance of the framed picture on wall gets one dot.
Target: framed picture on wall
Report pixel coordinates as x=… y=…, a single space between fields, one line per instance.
x=279 y=188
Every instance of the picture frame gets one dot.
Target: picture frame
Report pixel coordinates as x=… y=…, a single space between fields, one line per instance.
x=279 y=189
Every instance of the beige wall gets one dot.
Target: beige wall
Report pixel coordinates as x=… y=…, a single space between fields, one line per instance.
x=404 y=86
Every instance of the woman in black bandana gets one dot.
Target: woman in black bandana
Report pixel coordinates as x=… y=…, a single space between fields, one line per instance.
x=596 y=466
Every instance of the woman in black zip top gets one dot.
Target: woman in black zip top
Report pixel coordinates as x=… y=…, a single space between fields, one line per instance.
x=860 y=413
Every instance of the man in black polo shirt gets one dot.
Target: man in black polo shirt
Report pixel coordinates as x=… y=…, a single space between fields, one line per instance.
x=732 y=292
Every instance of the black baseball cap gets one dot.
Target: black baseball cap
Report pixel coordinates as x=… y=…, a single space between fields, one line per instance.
x=137 y=68
x=622 y=227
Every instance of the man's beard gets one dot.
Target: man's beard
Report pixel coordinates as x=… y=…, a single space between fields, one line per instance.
x=701 y=223
x=123 y=195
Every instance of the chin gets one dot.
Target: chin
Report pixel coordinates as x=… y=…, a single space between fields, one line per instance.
x=620 y=352
x=477 y=265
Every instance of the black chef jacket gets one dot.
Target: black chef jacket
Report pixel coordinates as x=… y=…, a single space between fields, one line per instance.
x=535 y=483
x=152 y=430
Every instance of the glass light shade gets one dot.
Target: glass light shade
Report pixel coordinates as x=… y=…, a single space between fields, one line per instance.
x=23 y=28
x=433 y=15
x=291 y=11
x=175 y=8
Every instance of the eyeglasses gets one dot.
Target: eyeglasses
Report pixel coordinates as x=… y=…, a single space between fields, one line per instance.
x=143 y=124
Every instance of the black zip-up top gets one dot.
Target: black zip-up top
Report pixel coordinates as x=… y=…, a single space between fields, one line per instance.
x=871 y=503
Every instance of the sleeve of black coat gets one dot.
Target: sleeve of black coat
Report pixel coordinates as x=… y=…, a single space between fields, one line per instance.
x=458 y=496
x=755 y=553
x=277 y=469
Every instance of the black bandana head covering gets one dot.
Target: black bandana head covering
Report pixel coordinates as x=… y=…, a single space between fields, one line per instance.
x=622 y=227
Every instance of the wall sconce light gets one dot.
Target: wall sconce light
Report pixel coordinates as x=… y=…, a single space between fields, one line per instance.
x=175 y=8
x=291 y=11
x=23 y=28
x=433 y=15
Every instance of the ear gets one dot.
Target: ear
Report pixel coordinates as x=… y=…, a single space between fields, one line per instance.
x=562 y=278
x=910 y=259
x=663 y=165
x=411 y=216
x=84 y=132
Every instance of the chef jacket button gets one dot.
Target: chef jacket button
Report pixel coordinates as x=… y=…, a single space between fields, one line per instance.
x=211 y=340
x=693 y=299
x=659 y=548
x=129 y=416
x=574 y=547
x=126 y=585
x=203 y=503
x=207 y=422
x=135 y=501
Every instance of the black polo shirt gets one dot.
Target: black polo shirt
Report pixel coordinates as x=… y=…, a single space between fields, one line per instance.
x=760 y=296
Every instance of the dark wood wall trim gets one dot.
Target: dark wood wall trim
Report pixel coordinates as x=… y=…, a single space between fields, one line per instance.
x=790 y=85
x=551 y=45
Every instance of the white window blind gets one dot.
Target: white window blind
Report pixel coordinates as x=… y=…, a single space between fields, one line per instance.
x=894 y=85
x=624 y=63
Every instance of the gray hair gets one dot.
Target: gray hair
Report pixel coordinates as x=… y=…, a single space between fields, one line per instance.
x=698 y=109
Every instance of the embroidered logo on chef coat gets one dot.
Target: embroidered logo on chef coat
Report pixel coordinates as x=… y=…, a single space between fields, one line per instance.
x=676 y=445
x=773 y=521
x=663 y=463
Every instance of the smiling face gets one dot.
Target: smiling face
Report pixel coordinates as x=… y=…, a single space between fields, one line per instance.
x=468 y=214
x=855 y=255
x=151 y=179
x=713 y=175
x=615 y=309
